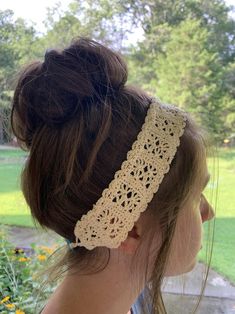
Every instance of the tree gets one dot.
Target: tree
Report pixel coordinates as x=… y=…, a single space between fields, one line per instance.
x=212 y=14
x=101 y=20
x=7 y=53
x=189 y=75
x=16 y=46
x=228 y=98
x=186 y=68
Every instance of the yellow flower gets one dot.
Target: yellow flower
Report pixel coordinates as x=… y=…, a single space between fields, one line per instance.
x=19 y=312
x=4 y=300
x=42 y=257
x=10 y=305
x=23 y=259
x=49 y=250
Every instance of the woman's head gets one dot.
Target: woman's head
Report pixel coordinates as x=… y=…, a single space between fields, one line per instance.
x=78 y=118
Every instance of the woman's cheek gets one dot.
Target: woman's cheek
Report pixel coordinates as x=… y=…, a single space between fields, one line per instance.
x=186 y=242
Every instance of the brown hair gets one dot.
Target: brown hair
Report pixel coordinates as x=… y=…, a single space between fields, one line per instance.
x=74 y=112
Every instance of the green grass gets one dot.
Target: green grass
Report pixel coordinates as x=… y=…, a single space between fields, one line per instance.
x=7 y=153
x=14 y=211
x=13 y=208
x=223 y=258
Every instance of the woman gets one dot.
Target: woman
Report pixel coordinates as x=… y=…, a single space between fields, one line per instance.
x=115 y=172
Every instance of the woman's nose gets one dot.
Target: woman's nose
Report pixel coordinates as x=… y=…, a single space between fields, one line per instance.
x=207 y=212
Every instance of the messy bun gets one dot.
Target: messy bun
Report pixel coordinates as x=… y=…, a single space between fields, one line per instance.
x=52 y=92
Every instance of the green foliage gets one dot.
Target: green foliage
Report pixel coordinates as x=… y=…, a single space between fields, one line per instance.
x=96 y=19
x=7 y=53
x=212 y=14
x=16 y=48
x=189 y=74
x=5 y=131
x=62 y=32
x=230 y=120
x=187 y=58
x=16 y=39
x=228 y=98
x=19 y=283
x=187 y=55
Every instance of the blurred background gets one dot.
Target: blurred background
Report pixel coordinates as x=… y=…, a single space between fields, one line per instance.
x=181 y=51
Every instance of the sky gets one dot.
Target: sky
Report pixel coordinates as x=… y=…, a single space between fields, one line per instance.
x=30 y=10
x=35 y=11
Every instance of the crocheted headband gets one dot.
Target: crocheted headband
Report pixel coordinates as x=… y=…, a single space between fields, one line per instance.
x=134 y=185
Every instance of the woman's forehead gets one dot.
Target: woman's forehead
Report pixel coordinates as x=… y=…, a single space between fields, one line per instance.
x=204 y=176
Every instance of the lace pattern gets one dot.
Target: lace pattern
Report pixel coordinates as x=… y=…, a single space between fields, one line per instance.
x=134 y=185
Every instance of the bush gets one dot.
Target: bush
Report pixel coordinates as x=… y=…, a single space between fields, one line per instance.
x=19 y=284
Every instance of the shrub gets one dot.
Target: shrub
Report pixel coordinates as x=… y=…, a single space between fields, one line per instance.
x=19 y=284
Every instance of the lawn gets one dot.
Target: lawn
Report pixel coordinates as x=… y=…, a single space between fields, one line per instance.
x=223 y=258
x=14 y=211
x=5 y=153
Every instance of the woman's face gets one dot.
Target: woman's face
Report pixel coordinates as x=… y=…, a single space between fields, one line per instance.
x=187 y=240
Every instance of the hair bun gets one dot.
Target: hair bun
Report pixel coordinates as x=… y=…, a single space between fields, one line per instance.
x=52 y=92
x=104 y=68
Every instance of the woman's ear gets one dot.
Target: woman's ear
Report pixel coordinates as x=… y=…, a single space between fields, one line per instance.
x=131 y=243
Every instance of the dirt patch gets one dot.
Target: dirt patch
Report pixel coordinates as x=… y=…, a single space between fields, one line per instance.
x=24 y=237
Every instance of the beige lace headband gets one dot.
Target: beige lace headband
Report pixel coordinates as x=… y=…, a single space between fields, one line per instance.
x=134 y=185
